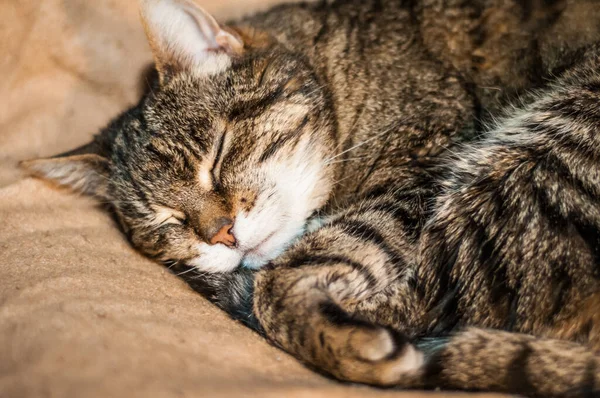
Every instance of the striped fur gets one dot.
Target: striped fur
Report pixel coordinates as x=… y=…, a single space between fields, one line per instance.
x=398 y=241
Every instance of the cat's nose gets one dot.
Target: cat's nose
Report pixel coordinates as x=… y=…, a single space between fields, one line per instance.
x=224 y=233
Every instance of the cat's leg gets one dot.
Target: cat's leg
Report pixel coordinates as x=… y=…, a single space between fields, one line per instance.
x=305 y=306
x=498 y=361
x=305 y=320
x=304 y=300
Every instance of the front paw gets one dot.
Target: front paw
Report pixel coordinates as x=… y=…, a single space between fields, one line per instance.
x=360 y=352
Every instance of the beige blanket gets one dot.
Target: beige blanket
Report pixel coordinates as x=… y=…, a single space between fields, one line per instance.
x=81 y=313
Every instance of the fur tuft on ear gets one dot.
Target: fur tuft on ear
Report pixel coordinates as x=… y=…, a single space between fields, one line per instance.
x=86 y=173
x=184 y=37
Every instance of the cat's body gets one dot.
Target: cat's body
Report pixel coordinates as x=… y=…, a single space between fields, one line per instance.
x=339 y=113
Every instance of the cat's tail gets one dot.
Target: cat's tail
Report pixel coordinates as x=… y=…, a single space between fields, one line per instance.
x=491 y=360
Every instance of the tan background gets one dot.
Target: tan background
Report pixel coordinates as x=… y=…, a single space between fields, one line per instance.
x=81 y=314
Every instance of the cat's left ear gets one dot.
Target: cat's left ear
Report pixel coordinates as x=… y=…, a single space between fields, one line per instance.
x=184 y=37
x=87 y=173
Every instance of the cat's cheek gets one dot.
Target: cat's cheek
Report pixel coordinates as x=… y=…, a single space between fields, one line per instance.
x=215 y=259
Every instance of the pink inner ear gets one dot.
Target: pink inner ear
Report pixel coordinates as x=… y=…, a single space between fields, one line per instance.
x=206 y=22
x=183 y=36
x=223 y=39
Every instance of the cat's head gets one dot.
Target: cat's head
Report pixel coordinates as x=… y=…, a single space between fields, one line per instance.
x=224 y=161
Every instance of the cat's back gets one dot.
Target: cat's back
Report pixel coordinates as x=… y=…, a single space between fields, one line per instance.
x=306 y=25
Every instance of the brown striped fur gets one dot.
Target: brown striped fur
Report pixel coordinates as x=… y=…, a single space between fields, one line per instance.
x=435 y=248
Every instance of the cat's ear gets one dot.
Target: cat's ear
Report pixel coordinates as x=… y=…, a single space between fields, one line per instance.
x=184 y=37
x=87 y=173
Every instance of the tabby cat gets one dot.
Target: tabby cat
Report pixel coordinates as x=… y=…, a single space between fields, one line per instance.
x=345 y=177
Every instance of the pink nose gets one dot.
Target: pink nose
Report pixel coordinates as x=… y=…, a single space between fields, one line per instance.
x=224 y=236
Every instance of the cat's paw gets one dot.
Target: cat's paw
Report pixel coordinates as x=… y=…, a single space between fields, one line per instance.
x=372 y=345
x=364 y=353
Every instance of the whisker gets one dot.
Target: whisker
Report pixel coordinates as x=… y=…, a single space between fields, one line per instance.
x=185 y=272
x=327 y=161
x=348 y=159
x=171 y=264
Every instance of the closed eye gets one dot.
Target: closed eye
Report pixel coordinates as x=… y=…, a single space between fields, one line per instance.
x=173 y=221
x=167 y=216
x=216 y=168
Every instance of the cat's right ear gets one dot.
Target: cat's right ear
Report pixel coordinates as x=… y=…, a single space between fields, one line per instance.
x=82 y=170
x=184 y=37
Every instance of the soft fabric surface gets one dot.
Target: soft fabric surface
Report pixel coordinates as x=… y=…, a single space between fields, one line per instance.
x=81 y=313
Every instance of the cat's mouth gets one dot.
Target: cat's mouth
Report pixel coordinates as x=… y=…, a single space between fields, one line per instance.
x=259 y=241
x=258 y=255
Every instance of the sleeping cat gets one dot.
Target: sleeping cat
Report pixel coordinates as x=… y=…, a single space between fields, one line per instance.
x=324 y=170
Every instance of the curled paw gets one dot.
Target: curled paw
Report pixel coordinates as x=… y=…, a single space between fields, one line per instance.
x=360 y=352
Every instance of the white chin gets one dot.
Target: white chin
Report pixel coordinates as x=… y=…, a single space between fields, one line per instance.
x=217 y=259
x=254 y=262
x=267 y=251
